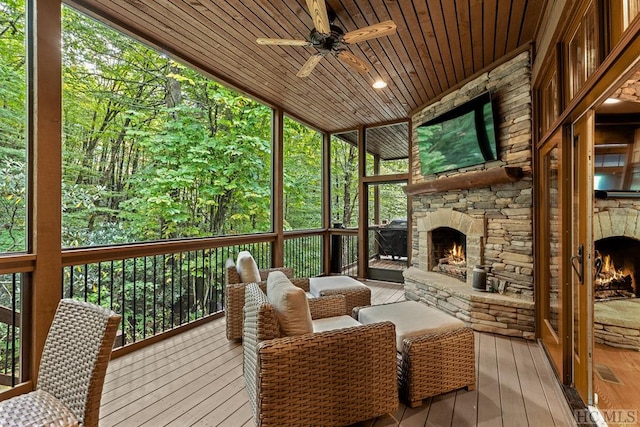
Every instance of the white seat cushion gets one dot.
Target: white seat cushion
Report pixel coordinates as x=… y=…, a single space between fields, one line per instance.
x=247 y=268
x=411 y=318
x=326 y=283
x=337 y=322
x=290 y=305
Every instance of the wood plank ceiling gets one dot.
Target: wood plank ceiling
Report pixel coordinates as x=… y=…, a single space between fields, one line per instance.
x=438 y=44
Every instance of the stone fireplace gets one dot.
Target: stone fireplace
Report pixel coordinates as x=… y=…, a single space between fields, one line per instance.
x=440 y=231
x=489 y=221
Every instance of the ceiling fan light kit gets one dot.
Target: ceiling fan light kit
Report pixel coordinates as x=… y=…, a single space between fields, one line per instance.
x=331 y=39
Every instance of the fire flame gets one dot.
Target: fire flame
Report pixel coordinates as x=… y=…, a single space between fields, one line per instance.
x=609 y=273
x=456 y=254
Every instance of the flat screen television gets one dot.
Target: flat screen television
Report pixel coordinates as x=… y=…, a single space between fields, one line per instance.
x=464 y=136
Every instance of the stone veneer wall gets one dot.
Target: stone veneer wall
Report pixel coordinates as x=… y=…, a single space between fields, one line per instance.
x=506 y=209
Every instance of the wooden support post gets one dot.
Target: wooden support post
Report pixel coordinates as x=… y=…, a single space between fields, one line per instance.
x=326 y=202
x=45 y=158
x=362 y=204
x=277 y=207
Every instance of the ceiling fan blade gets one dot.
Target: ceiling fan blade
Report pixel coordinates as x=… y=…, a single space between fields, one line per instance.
x=285 y=42
x=353 y=61
x=372 y=31
x=318 y=11
x=308 y=66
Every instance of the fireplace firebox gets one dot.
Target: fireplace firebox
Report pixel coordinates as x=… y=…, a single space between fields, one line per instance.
x=448 y=252
x=617 y=268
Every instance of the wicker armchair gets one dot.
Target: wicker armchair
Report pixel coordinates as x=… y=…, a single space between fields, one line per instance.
x=234 y=295
x=330 y=378
x=72 y=370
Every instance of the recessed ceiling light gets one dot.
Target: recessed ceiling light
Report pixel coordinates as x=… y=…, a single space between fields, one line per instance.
x=379 y=84
x=611 y=101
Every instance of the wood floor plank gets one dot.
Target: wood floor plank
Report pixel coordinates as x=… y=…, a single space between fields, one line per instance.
x=179 y=357
x=187 y=396
x=560 y=412
x=441 y=411
x=416 y=417
x=513 y=410
x=166 y=382
x=465 y=413
x=240 y=417
x=235 y=393
x=535 y=401
x=489 y=409
x=172 y=367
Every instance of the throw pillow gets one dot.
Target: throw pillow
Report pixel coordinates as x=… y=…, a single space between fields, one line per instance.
x=290 y=305
x=247 y=268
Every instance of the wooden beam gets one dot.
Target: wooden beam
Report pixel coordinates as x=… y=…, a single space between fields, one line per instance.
x=478 y=179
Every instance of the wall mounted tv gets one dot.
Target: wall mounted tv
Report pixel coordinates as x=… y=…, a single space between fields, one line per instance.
x=464 y=136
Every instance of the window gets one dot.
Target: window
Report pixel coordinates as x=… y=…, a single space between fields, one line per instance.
x=13 y=125
x=152 y=149
x=302 y=176
x=344 y=179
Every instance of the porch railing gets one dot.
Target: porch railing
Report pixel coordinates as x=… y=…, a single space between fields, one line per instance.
x=156 y=287
x=155 y=292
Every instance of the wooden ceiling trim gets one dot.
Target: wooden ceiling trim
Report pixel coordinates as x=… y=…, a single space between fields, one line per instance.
x=395 y=47
x=500 y=40
x=533 y=17
x=477 y=33
x=441 y=42
x=412 y=51
x=464 y=29
x=517 y=20
x=489 y=32
x=428 y=35
x=402 y=44
x=415 y=47
x=379 y=47
x=414 y=29
x=494 y=64
x=451 y=29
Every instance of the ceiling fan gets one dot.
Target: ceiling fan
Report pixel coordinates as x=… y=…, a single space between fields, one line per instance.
x=331 y=39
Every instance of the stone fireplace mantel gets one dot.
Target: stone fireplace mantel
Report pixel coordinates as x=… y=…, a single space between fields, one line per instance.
x=484 y=178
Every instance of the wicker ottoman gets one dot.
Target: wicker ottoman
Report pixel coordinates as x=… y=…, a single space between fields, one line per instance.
x=435 y=350
x=356 y=293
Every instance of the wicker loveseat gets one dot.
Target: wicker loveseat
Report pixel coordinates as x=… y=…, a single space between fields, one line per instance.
x=330 y=378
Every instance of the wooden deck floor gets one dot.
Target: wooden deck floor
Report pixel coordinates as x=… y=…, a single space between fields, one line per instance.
x=196 y=378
